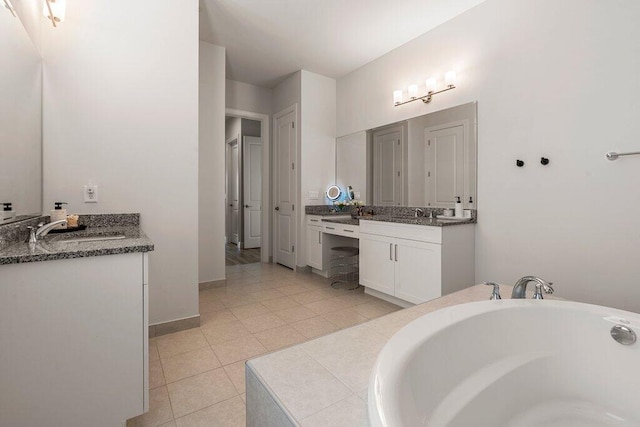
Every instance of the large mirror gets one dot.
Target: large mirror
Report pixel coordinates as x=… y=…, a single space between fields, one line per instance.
x=20 y=121
x=429 y=160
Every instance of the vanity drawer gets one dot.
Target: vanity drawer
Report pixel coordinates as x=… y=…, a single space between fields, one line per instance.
x=421 y=233
x=342 y=230
x=314 y=220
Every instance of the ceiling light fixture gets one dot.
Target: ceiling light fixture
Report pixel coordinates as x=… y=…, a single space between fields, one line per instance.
x=431 y=86
x=54 y=10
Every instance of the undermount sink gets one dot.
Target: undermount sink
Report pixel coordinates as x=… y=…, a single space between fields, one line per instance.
x=93 y=239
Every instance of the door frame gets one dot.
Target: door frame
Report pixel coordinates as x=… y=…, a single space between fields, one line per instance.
x=228 y=146
x=265 y=243
x=296 y=182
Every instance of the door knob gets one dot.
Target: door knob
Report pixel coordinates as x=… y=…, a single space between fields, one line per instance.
x=247 y=206
x=277 y=208
x=231 y=204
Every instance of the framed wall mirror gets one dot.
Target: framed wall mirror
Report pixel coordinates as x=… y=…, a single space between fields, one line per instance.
x=428 y=160
x=20 y=122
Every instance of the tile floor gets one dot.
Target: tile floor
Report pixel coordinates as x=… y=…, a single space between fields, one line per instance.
x=196 y=377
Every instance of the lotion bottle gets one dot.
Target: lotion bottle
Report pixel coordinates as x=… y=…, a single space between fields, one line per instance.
x=458 y=209
x=7 y=212
x=58 y=213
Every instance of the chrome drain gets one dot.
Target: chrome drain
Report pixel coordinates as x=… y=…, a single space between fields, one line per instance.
x=623 y=335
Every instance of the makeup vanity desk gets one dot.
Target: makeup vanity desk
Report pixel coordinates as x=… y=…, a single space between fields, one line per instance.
x=403 y=260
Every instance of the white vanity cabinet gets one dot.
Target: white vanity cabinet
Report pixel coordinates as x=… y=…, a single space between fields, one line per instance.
x=322 y=236
x=416 y=263
x=314 y=244
x=74 y=341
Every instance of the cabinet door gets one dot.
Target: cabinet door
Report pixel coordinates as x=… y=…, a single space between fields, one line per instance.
x=418 y=271
x=314 y=247
x=376 y=263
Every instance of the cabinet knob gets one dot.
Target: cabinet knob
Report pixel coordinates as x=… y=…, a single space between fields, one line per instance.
x=277 y=208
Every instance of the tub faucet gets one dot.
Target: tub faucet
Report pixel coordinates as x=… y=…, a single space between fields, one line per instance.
x=520 y=288
x=495 y=293
x=43 y=230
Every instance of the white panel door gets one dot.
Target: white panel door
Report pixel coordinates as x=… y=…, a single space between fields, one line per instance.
x=252 y=194
x=377 y=263
x=234 y=192
x=314 y=247
x=388 y=174
x=284 y=157
x=418 y=270
x=444 y=152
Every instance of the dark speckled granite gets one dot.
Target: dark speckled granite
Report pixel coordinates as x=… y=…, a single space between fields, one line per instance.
x=57 y=246
x=400 y=214
x=346 y=221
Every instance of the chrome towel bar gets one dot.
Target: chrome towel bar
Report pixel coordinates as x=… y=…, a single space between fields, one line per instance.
x=612 y=155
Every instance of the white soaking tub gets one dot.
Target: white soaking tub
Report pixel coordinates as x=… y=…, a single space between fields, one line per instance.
x=515 y=363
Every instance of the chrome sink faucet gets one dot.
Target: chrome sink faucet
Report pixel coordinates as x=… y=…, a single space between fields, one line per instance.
x=520 y=288
x=419 y=213
x=43 y=230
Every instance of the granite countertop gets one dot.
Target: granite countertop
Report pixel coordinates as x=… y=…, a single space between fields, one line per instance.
x=57 y=246
x=332 y=214
x=325 y=381
x=400 y=220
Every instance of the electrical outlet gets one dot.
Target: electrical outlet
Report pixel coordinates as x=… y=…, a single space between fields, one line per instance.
x=313 y=195
x=91 y=193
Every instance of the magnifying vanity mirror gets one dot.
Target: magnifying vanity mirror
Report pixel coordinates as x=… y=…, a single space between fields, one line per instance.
x=428 y=160
x=333 y=193
x=20 y=122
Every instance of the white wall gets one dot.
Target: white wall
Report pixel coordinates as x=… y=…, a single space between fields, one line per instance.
x=553 y=79
x=211 y=161
x=120 y=109
x=247 y=97
x=317 y=143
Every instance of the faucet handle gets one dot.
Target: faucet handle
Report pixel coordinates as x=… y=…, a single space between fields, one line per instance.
x=547 y=287
x=32 y=234
x=495 y=293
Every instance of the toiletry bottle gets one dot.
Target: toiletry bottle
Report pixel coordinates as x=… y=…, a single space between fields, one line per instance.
x=57 y=213
x=458 y=209
x=7 y=212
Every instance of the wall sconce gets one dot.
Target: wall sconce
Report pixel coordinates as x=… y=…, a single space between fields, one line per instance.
x=431 y=86
x=54 y=10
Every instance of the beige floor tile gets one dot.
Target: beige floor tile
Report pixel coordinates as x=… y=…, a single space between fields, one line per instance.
x=314 y=327
x=344 y=318
x=156 y=375
x=244 y=397
x=295 y=314
x=309 y=296
x=153 y=351
x=327 y=305
x=292 y=289
x=281 y=303
x=235 y=372
x=171 y=423
x=210 y=305
x=266 y=294
x=188 y=364
x=240 y=349
x=237 y=300
x=230 y=413
x=198 y=392
x=222 y=316
x=256 y=287
x=371 y=310
x=262 y=322
x=180 y=342
x=276 y=338
x=221 y=332
x=250 y=310
x=159 y=410
x=242 y=280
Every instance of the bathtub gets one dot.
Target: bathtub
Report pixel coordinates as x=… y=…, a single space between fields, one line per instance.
x=515 y=363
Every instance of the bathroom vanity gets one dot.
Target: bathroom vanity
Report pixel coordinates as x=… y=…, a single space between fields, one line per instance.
x=403 y=260
x=73 y=326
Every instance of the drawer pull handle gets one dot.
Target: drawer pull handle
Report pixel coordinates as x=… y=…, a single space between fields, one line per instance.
x=330 y=228
x=314 y=220
x=348 y=231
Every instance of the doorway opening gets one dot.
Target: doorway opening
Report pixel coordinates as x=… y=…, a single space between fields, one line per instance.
x=245 y=149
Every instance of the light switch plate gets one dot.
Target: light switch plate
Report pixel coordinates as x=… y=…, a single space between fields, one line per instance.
x=91 y=193
x=356 y=195
x=313 y=195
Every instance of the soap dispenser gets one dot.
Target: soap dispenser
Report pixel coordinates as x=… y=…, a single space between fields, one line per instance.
x=7 y=212
x=458 y=210
x=58 y=213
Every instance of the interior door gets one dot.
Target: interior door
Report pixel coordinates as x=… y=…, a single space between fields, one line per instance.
x=252 y=190
x=445 y=166
x=388 y=179
x=234 y=192
x=284 y=158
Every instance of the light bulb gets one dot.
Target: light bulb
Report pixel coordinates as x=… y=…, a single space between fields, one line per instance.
x=450 y=78
x=58 y=7
x=413 y=91
x=431 y=85
x=397 y=96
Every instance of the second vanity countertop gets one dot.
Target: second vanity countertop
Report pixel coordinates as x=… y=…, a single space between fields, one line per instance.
x=399 y=220
x=57 y=246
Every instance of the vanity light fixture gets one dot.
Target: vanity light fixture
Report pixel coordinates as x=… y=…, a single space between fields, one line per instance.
x=431 y=86
x=8 y=5
x=54 y=10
